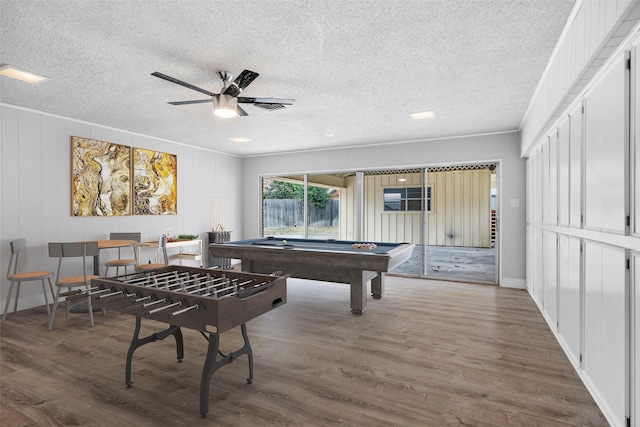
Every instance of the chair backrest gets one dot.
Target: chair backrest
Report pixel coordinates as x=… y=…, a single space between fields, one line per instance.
x=73 y=250
x=17 y=247
x=125 y=236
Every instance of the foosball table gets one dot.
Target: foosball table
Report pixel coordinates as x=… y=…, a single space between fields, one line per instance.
x=209 y=301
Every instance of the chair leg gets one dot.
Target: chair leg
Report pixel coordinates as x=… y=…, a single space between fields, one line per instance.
x=46 y=300
x=15 y=304
x=67 y=305
x=90 y=310
x=6 y=306
x=55 y=307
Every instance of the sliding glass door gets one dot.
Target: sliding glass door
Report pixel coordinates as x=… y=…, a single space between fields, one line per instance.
x=449 y=213
x=305 y=206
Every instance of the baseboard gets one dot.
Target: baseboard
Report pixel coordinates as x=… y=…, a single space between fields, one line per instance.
x=513 y=283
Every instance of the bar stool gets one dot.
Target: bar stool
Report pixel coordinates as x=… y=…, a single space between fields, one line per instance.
x=122 y=262
x=61 y=251
x=19 y=246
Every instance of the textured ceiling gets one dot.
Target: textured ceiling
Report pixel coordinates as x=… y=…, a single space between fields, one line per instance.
x=355 y=68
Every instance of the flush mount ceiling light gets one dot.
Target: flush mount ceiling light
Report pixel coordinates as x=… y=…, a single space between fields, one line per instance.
x=17 y=73
x=225 y=106
x=239 y=139
x=422 y=115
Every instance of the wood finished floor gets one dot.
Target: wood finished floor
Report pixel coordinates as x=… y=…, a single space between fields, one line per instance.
x=428 y=354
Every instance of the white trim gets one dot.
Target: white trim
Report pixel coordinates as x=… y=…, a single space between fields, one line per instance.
x=44 y=113
x=509 y=282
x=563 y=35
x=550 y=122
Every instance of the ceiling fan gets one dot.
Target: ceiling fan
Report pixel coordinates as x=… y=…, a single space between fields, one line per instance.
x=225 y=104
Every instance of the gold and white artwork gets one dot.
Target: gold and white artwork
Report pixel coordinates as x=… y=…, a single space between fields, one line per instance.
x=100 y=180
x=154 y=183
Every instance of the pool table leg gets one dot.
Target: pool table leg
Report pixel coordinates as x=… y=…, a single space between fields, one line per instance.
x=358 y=292
x=377 y=285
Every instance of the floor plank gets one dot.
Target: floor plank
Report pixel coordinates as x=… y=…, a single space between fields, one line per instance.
x=429 y=353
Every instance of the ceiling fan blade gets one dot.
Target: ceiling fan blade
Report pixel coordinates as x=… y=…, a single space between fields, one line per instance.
x=241 y=112
x=241 y=82
x=270 y=107
x=250 y=100
x=181 y=83
x=198 y=101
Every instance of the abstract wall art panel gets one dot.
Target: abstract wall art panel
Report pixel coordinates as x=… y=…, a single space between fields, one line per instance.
x=100 y=179
x=155 y=177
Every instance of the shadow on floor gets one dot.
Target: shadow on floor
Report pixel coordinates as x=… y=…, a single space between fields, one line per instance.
x=452 y=262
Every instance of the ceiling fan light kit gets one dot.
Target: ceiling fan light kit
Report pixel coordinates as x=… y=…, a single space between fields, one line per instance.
x=225 y=104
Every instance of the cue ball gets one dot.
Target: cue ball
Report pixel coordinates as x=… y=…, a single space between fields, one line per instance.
x=284 y=242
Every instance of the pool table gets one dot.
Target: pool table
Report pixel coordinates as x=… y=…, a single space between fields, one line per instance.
x=327 y=259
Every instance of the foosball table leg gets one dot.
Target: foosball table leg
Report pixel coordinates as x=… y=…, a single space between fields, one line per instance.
x=212 y=364
x=179 y=344
x=137 y=342
x=247 y=348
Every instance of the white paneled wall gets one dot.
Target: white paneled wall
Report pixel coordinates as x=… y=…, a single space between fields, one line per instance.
x=606 y=326
x=583 y=174
x=563 y=171
x=575 y=166
x=569 y=295
x=593 y=30
x=606 y=150
x=535 y=282
x=35 y=179
x=635 y=349
x=550 y=277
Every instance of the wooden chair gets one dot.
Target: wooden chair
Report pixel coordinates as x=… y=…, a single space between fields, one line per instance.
x=61 y=251
x=19 y=246
x=162 y=247
x=122 y=262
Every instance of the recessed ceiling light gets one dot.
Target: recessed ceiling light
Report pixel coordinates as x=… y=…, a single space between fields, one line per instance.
x=422 y=115
x=239 y=139
x=402 y=179
x=17 y=73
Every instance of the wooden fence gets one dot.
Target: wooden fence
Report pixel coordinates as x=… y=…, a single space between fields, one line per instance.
x=289 y=213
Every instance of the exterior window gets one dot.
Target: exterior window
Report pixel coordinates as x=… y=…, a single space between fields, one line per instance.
x=402 y=199
x=428 y=199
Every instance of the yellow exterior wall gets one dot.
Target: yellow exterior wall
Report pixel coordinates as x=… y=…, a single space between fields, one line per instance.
x=461 y=206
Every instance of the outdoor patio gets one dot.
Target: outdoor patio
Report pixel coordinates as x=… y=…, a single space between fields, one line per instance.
x=452 y=262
